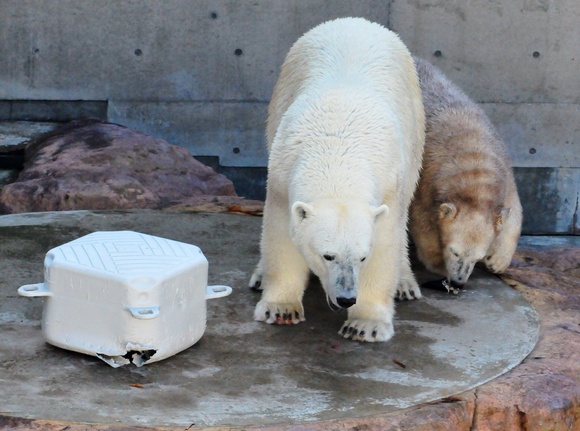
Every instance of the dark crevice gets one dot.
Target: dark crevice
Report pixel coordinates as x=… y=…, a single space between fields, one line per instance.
x=12 y=159
x=574 y=228
x=522 y=419
x=472 y=424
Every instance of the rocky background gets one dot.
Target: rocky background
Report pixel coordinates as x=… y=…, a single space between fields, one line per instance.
x=92 y=165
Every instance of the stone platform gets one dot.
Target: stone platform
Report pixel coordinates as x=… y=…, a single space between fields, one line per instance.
x=248 y=375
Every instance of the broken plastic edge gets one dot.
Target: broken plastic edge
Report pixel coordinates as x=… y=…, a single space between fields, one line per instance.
x=136 y=354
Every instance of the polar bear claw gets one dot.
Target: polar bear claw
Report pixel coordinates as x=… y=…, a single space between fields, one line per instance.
x=256 y=280
x=497 y=262
x=367 y=330
x=279 y=313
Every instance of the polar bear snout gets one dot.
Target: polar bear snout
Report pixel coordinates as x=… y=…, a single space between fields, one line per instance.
x=341 y=303
x=343 y=283
x=345 y=302
x=459 y=270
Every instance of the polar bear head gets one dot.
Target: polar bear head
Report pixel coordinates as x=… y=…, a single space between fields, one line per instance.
x=466 y=235
x=336 y=238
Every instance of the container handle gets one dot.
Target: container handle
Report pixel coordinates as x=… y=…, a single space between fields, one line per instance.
x=143 y=313
x=217 y=291
x=31 y=290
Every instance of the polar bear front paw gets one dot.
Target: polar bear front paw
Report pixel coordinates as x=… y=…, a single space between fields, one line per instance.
x=408 y=289
x=367 y=330
x=278 y=313
x=497 y=262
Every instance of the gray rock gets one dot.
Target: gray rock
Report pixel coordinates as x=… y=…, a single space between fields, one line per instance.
x=16 y=135
x=93 y=165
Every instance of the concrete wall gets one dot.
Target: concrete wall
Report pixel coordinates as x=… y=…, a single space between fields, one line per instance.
x=199 y=73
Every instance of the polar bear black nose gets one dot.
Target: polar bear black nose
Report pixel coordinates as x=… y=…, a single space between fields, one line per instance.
x=346 y=302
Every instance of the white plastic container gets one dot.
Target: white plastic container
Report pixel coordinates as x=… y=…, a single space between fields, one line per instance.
x=124 y=296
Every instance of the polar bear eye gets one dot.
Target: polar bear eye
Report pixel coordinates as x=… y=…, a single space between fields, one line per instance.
x=328 y=257
x=363 y=259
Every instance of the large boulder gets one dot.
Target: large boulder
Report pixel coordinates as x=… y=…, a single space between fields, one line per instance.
x=94 y=165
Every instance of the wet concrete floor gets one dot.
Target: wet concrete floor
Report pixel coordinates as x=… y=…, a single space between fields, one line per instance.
x=243 y=372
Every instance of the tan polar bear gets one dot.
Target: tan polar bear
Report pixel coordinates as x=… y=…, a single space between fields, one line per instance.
x=466 y=207
x=345 y=135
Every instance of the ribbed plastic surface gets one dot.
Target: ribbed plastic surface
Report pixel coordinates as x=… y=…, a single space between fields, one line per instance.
x=127 y=253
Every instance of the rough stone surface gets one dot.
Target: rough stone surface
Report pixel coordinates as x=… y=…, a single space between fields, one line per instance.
x=543 y=393
x=95 y=165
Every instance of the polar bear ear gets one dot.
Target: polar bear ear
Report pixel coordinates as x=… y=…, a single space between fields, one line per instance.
x=380 y=210
x=447 y=210
x=301 y=211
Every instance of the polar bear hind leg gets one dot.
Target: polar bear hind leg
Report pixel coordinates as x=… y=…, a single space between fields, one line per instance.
x=256 y=279
x=408 y=288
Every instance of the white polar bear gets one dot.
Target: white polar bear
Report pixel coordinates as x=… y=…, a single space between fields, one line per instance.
x=345 y=134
